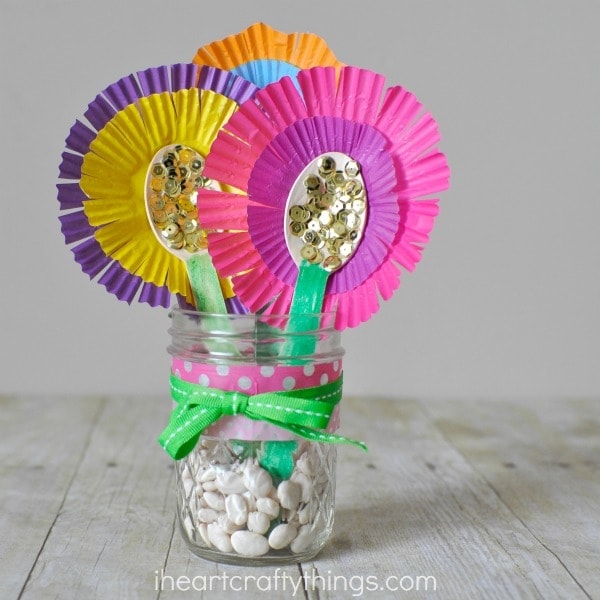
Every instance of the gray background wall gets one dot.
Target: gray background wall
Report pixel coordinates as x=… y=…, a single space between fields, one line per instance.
x=505 y=301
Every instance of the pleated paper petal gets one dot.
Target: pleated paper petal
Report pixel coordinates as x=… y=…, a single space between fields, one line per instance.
x=264 y=55
x=268 y=143
x=104 y=166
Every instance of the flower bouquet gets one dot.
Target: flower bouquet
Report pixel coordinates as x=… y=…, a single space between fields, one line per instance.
x=275 y=194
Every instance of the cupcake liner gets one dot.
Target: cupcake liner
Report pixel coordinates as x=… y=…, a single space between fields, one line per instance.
x=269 y=142
x=103 y=199
x=264 y=55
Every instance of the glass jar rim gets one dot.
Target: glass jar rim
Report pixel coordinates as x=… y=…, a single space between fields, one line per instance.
x=329 y=315
x=264 y=337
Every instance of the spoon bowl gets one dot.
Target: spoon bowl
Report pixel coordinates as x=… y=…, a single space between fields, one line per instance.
x=174 y=176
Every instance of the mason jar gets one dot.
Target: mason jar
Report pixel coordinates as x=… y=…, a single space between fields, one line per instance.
x=253 y=432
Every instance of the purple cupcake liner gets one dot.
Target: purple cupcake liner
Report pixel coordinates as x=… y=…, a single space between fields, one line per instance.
x=276 y=171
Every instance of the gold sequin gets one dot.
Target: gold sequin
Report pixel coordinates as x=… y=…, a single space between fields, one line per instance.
x=197 y=164
x=326 y=166
x=325 y=202
x=171 y=208
x=156 y=202
x=185 y=155
x=312 y=182
x=189 y=225
x=299 y=214
x=314 y=225
x=158 y=170
x=352 y=168
x=156 y=184
x=297 y=228
x=170 y=231
x=339 y=179
x=309 y=252
x=185 y=204
x=325 y=217
x=159 y=216
x=172 y=187
x=325 y=233
x=353 y=188
x=350 y=219
x=358 y=206
x=346 y=249
x=339 y=228
x=332 y=263
x=337 y=206
x=310 y=237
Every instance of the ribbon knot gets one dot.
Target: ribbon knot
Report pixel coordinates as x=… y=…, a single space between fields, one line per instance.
x=236 y=404
x=305 y=412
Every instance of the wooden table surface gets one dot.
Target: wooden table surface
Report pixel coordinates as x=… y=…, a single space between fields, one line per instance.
x=455 y=499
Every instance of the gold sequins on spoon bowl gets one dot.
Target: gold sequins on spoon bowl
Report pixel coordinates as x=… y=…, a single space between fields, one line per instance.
x=174 y=176
x=326 y=212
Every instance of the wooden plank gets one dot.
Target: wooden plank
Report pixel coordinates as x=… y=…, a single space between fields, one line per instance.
x=116 y=523
x=414 y=507
x=542 y=460
x=40 y=452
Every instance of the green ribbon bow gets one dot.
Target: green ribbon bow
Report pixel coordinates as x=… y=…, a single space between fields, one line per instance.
x=305 y=413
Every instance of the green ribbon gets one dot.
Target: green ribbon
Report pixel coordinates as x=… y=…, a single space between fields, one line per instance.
x=305 y=413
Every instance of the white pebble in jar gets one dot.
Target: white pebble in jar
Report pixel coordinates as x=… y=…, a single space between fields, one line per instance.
x=307 y=513
x=257 y=480
x=308 y=464
x=207 y=515
x=207 y=475
x=258 y=522
x=250 y=501
x=210 y=485
x=268 y=506
x=289 y=494
x=227 y=525
x=236 y=508
x=229 y=482
x=215 y=500
x=305 y=483
x=248 y=543
x=219 y=538
x=282 y=535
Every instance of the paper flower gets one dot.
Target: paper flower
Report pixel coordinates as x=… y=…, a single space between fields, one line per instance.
x=264 y=55
x=103 y=204
x=267 y=145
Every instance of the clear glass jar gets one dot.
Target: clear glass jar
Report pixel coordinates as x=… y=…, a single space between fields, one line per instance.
x=251 y=492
